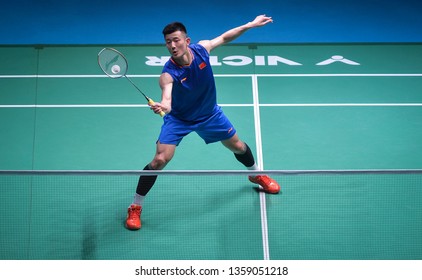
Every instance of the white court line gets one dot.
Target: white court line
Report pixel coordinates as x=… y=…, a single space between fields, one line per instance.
x=224 y=75
x=260 y=163
x=343 y=75
x=98 y=105
x=342 y=105
x=222 y=105
x=75 y=106
x=68 y=76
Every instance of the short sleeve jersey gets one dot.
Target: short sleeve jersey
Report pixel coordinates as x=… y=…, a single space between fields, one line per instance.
x=194 y=96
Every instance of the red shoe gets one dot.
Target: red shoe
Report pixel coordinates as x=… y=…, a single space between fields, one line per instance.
x=269 y=185
x=133 y=220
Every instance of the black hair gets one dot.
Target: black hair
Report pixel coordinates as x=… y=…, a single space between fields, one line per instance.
x=173 y=27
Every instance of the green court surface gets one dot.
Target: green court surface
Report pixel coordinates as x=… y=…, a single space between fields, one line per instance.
x=299 y=107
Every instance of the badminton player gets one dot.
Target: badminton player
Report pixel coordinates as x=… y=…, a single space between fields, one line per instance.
x=190 y=103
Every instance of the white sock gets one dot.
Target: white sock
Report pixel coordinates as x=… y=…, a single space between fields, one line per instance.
x=138 y=199
x=253 y=167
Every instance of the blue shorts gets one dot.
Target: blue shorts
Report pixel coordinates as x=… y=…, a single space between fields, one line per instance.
x=213 y=129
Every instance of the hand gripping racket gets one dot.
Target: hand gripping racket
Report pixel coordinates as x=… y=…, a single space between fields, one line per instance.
x=114 y=65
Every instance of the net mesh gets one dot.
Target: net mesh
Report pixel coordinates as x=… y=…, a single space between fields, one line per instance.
x=212 y=215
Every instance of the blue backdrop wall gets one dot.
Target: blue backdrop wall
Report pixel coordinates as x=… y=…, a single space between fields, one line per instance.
x=141 y=21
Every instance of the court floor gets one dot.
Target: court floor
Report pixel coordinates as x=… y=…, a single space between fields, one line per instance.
x=299 y=107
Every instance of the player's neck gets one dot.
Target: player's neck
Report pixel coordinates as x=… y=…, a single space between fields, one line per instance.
x=185 y=59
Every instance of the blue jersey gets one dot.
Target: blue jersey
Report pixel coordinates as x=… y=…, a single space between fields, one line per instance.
x=194 y=96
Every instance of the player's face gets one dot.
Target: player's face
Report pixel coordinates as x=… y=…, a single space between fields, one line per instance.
x=177 y=44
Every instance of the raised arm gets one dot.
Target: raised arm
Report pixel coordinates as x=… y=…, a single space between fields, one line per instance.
x=232 y=34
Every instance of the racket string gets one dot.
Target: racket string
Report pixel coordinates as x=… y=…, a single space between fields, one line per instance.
x=112 y=62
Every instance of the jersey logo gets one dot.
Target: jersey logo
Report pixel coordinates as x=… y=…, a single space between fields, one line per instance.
x=183 y=80
x=202 y=65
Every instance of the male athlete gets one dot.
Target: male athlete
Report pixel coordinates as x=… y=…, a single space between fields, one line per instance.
x=190 y=103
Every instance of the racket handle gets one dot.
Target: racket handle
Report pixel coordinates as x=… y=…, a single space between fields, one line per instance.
x=151 y=103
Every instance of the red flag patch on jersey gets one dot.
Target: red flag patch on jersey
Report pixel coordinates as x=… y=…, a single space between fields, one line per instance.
x=202 y=65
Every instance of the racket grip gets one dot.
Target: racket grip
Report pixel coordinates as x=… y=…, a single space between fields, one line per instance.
x=151 y=103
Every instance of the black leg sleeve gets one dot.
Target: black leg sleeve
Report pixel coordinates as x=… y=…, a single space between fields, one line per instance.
x=246 y=158
x=145 y=182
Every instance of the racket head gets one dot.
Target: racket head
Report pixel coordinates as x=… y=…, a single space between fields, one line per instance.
x=112 y=62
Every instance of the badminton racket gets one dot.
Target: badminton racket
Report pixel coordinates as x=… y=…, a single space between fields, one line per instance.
x=114 y=64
